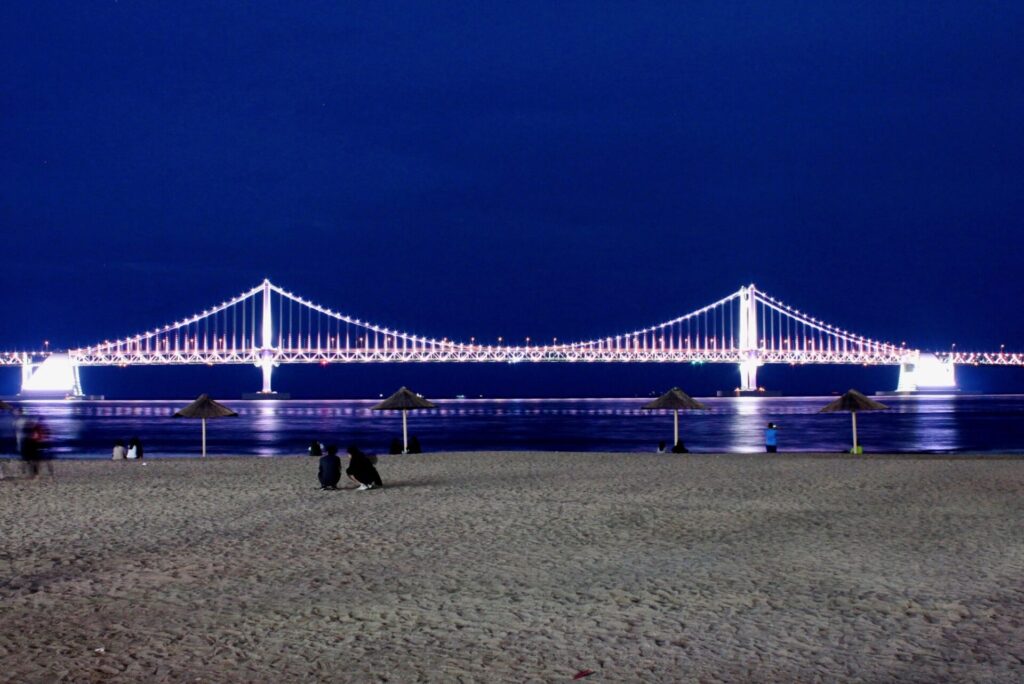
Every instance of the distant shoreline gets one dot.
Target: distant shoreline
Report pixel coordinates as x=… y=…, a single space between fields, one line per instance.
x=702 y=397
x=694 y=455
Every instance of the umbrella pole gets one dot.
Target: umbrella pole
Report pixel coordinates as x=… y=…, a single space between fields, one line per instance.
x=676 y=421
x=405 y=432
x=854 y=414
x=204 y=438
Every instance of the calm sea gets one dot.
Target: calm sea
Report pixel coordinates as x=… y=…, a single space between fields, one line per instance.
x=285 y=428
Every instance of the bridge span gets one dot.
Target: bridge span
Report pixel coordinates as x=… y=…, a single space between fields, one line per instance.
x=267 y=326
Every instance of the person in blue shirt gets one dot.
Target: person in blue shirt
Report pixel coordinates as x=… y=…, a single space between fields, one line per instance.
x=771 y=438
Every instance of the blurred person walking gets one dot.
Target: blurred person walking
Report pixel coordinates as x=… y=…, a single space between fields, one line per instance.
x=34 y=447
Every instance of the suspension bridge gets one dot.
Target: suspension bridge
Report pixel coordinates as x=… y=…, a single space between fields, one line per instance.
x=267 y=326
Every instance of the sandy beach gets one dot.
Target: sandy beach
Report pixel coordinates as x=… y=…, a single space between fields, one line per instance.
x=517 y=567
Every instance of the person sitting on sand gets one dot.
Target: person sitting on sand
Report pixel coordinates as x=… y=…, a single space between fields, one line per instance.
x=330 y=468
x=316 y=449
x=136 y=444
x=361 y=471
x=680 y=448
x=119 y=451
x=661 y=447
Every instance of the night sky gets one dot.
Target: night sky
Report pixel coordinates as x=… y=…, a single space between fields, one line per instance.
x=513 y=169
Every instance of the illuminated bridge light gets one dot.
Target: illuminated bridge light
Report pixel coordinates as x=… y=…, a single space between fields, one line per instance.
x=713 y=329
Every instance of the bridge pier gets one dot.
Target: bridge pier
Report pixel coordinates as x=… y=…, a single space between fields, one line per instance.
x=927 y=373
x=748 y=375
x=55 y=376
x=267 y=366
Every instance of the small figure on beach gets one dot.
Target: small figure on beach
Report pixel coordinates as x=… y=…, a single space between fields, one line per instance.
x=680 y=448
x=661 y=447
x=316 y=449
x=771 y=438
x=33 y=447
x=20 y=427
x=396 y=447
x=135 y=446
x=414 y=445
x=120 y=452
x=361 y=469
x=330 y=468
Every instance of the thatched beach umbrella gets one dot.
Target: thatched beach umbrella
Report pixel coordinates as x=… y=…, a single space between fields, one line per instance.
x=203 y=408
x=404 y=400
x=853 y=401
x=677 y=400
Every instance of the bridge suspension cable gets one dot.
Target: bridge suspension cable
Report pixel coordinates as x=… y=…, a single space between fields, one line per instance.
x=267 y=326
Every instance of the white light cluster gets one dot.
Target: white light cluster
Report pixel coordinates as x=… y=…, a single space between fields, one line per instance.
x=55 y=375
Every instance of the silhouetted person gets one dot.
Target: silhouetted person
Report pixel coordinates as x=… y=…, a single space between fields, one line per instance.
x=20 y=427
x=396 y=446
x=360 y=469
x=680 y=448
x=330 y=468
x=135 y=443
x=119 y=453
x=661 y=447
x=317 y=449
x=771 y=438
x=33 y=447
x=414 y=445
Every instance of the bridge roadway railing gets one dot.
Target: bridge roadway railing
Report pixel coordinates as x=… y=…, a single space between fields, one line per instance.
x=982 y=358
x=455 y=353
x=93 y=357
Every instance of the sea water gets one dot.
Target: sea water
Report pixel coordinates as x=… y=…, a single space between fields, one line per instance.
x=86 y=429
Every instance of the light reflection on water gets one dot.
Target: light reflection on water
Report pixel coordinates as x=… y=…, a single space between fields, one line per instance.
x=279 y=428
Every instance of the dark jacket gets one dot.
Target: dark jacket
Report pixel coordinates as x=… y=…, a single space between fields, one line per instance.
x=360 y=466
x=330 y=470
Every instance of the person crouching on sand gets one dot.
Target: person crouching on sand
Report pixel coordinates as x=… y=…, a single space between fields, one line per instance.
x=361 y=471
x=330 y=468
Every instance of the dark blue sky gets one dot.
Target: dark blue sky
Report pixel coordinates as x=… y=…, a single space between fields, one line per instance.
x=517 y=169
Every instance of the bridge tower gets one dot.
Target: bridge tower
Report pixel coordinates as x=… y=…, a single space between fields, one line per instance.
x=267 y=351
x=749 y=344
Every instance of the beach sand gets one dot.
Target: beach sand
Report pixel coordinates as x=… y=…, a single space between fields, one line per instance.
x=517 y=567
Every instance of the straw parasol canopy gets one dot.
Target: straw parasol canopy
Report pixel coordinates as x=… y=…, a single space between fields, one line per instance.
x=404 y=400
x=677 y=400
x=853 y=401
x=205 y=408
